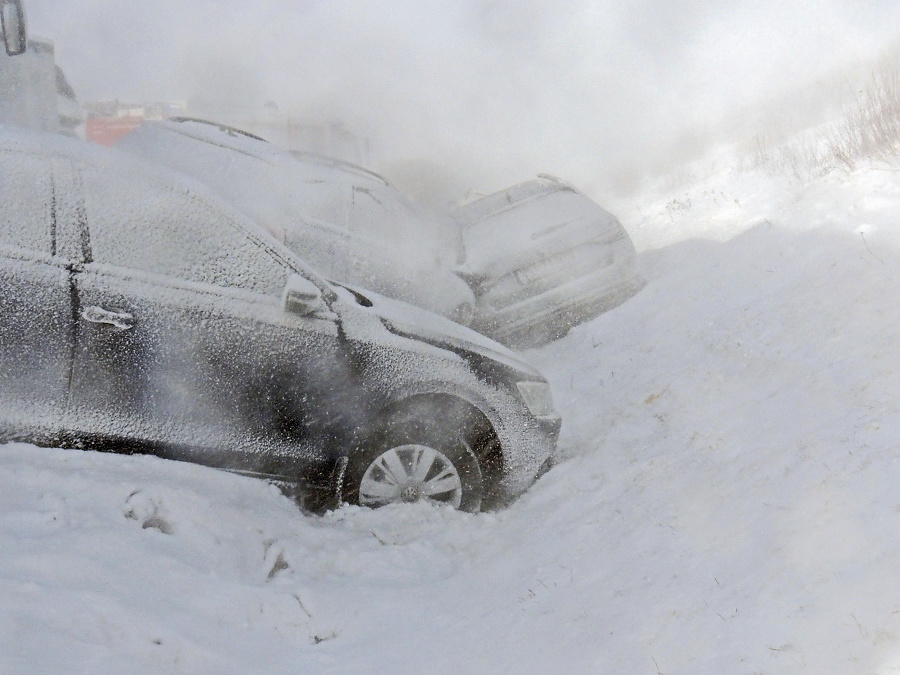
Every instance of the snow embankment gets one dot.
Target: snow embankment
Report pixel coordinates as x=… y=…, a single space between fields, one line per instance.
x=727 y=501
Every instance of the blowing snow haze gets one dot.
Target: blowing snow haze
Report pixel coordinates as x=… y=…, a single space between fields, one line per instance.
x=602 y=93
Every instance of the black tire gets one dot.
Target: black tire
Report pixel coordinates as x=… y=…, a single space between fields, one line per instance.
x=404 y=439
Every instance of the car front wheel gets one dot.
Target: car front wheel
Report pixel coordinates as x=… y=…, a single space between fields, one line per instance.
x=411 y=467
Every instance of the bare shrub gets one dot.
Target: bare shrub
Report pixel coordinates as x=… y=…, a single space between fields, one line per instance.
x=868 y=129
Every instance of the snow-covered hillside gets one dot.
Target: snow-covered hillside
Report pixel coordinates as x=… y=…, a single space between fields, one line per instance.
x=727 y=502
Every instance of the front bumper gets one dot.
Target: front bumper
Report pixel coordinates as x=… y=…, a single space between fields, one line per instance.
x=534 y=440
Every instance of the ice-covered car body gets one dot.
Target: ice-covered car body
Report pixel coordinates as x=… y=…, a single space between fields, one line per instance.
x=348 y=223
x=542 y=257
x=141 y=313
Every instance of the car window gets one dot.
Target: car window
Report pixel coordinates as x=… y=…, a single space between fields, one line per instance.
x=140 y=224
x=26 y=201
x=381 y=212
x=321 y=200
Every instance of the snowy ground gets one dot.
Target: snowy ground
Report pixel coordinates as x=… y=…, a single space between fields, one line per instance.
x=728 y=501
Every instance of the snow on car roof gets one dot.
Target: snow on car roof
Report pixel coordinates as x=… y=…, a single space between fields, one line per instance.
x=478 y=209
x=338 y=164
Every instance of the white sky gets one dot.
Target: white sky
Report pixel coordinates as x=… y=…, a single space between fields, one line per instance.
x=597 y=92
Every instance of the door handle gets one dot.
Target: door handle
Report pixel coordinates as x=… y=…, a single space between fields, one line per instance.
x=121 y=320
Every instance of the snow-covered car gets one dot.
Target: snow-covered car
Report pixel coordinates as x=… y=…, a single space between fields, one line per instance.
x=141 y=313
x=348 y=223
x=542 y=257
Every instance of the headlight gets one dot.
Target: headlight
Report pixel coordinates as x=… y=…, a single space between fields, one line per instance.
x=537 y=397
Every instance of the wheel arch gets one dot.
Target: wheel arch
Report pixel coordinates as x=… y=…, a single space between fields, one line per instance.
x=448 y=411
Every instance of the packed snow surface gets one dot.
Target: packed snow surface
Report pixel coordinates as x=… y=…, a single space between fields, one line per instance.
x=727 y=500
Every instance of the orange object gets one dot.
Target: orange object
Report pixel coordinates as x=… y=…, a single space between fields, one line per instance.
x=107 y=130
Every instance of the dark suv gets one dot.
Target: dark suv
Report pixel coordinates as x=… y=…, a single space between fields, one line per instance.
x=138 y=313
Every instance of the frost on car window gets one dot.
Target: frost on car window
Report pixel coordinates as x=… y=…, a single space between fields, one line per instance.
x=318 y=199
x=167 y=230
x=379 y=211
x=26 y=193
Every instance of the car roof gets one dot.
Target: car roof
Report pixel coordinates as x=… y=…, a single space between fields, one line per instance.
x=50 y=145
x=217 y=134
x=246 y=143
x=478 y=209
x=338 y=164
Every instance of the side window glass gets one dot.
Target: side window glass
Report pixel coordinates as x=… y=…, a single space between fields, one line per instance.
x=138 y=223
x=381 y=213
x=26 y=196
x=322 y=200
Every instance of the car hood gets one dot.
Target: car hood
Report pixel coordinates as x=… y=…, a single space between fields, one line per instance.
x=419 y=324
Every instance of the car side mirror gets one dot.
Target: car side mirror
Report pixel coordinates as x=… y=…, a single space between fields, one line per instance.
x=12 y=17
x=301 y=296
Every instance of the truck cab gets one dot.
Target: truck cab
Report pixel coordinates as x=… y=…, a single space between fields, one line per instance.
x=34 y=92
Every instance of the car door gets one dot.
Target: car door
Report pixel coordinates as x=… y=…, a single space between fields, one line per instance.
x=35 y=299
x=183 y=347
